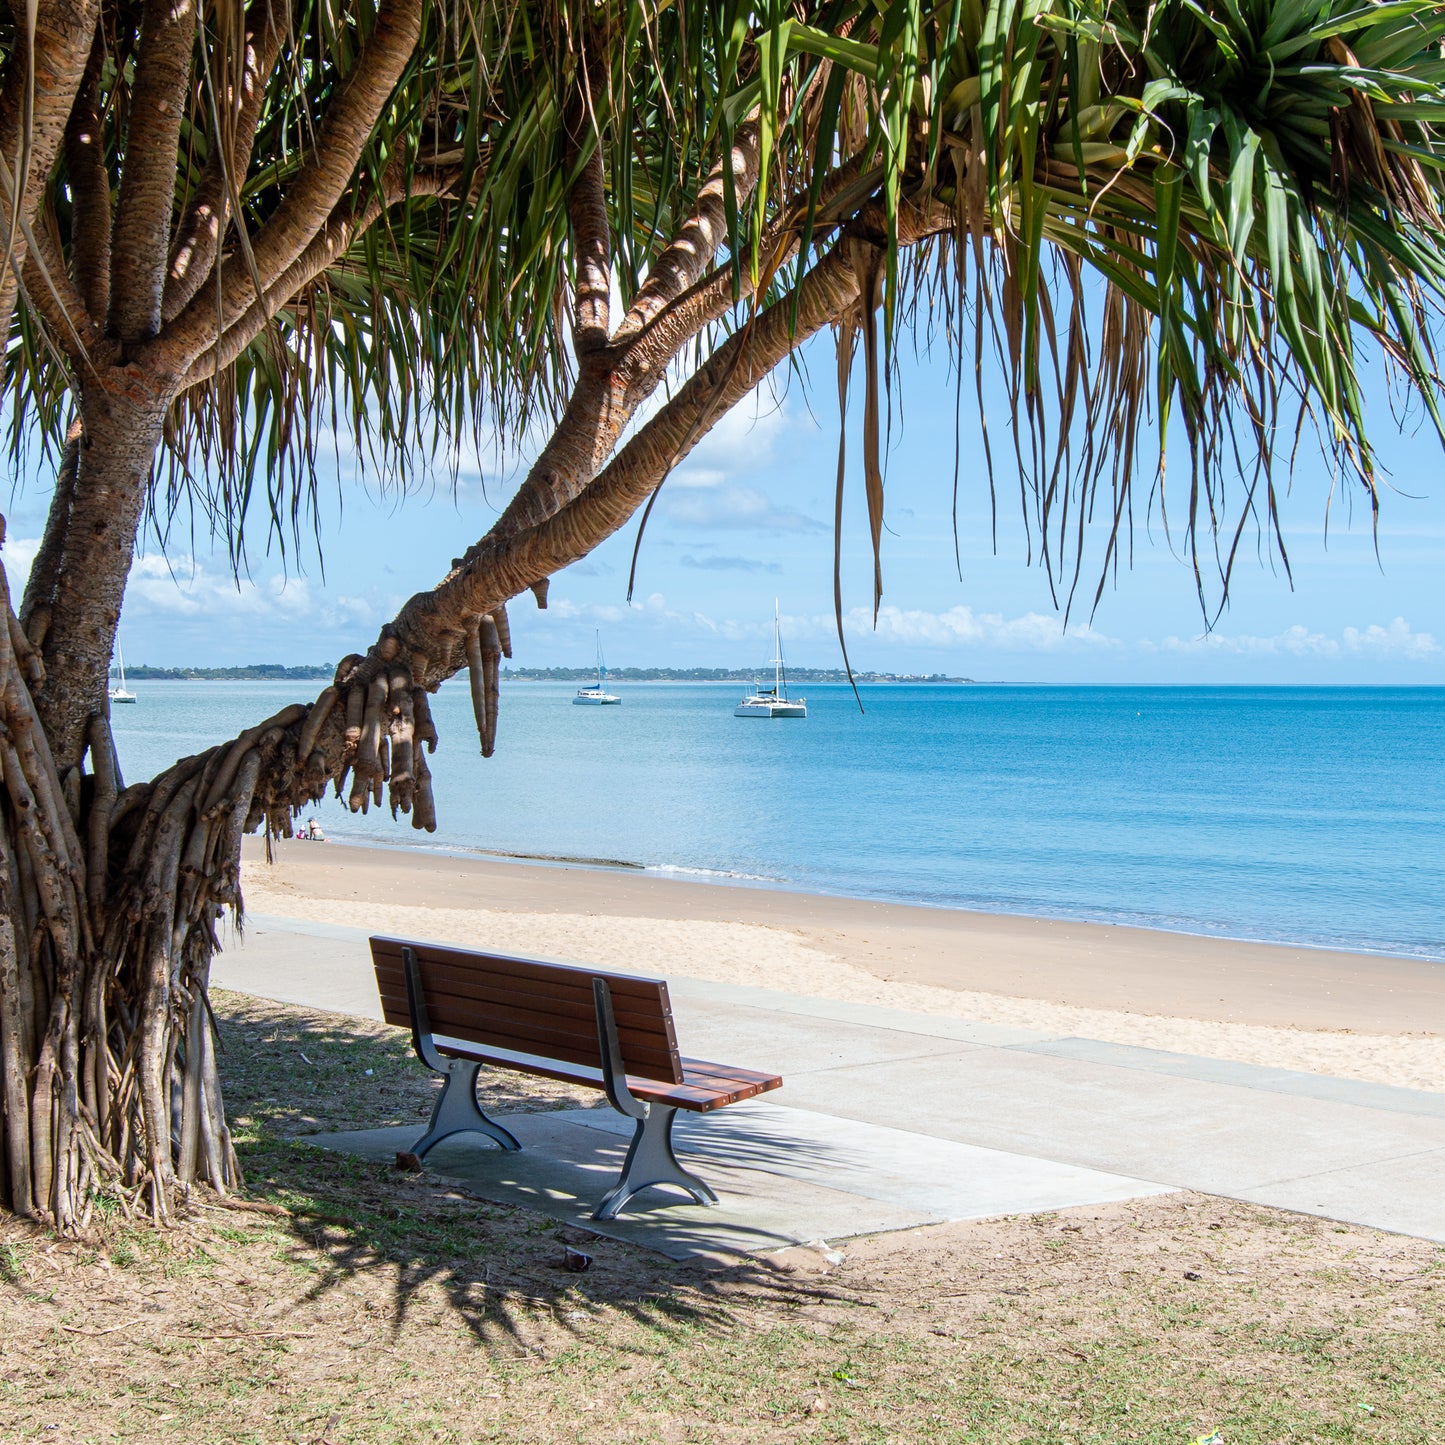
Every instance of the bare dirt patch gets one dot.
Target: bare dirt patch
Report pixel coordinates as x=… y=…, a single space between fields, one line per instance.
x=385 y=1308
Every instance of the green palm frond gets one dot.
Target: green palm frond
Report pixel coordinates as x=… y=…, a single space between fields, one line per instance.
x=1204 y=214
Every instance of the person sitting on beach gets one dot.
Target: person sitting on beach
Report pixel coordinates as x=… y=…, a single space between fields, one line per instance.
x=313 y=831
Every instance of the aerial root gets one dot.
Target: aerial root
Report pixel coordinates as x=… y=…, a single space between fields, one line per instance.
x=367 y=769
x=402 y=736
x=475 y=671
x=315 y=721
x=504 y=628
x=491 y=649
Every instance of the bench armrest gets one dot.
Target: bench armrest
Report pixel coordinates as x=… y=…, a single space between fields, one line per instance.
x=614 y=1073
x=421 y=1035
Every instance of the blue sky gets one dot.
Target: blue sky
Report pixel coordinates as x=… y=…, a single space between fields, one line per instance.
x=749 y=517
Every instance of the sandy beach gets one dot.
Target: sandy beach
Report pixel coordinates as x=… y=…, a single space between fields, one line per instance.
x=1349 y=1015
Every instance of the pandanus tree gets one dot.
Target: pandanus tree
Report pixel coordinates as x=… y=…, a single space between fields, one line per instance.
x=230 y=231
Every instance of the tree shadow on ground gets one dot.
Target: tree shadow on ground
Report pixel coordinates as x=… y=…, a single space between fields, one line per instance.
x=502 y=1271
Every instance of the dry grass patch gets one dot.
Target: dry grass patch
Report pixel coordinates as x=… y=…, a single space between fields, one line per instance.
x=385 y=1308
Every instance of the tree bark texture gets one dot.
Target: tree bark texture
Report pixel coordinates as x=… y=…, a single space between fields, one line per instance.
x=64 y=32
x=79 y=594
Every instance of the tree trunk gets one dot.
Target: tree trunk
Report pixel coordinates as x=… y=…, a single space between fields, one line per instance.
x=108 y=895
x=109 y=898
x=72 y=607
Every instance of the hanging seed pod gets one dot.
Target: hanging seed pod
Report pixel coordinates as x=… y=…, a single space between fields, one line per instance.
x=403 y=729
x=355 y=712
x=368 y=750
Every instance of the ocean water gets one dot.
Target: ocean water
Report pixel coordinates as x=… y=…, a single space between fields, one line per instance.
x=1303 y=815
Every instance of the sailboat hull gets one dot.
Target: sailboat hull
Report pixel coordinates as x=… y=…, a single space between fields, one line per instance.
x=593 y=697
x=771 y=709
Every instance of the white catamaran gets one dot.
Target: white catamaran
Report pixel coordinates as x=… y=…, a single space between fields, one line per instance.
x=597 y=696
x=773 y=701
x=118 y=691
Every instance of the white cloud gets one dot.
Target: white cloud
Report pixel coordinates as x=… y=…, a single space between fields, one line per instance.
x=740 y=508
x=963 y=627
x=653 y=612
x=1396 y=641
x=743 y=437
x=183 y=587
x=696 y=478
x=717 y=563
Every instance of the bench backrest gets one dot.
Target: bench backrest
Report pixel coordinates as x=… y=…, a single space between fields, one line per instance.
x=529 y=1007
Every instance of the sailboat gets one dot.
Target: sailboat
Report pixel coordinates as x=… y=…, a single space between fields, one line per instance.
x=118 y=691
x=773 y=701
x=597 y=696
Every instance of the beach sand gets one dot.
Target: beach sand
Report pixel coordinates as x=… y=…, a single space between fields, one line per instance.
x=1349 y=1015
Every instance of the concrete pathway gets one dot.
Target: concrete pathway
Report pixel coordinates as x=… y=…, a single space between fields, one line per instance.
x=889 y=1119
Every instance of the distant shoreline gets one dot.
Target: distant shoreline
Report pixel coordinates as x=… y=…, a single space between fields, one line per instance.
x=254 y=672
x=276 y=672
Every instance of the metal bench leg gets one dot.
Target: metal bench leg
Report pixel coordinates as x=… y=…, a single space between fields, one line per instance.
x=457 y=1110
x=650 y=1161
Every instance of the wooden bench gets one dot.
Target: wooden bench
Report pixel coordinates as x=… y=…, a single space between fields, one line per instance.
x=609 y=1031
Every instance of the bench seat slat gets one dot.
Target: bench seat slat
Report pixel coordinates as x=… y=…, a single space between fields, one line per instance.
x=705 y=1086
x=485 y=1004
x=571 y=999
x=642 y=1051
x=570 y=1004
x=623 y=985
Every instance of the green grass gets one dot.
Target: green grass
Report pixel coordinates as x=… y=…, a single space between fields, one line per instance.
x=386 y=1310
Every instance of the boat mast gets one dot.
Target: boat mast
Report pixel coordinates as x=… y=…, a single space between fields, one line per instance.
x=779 y=678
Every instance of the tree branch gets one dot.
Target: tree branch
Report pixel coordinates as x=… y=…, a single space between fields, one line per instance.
x=503 y=565
x=591 y=241
x=606 y=395
x=312 y=196
x=198 y=236
x=710 y=297
x=690 y=252
x=340 y=233
x=89 y=190
x=64 y=31
x=52 y=297
x=148 y=181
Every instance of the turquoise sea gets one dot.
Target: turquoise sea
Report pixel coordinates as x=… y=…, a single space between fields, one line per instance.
x=1304 y=815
